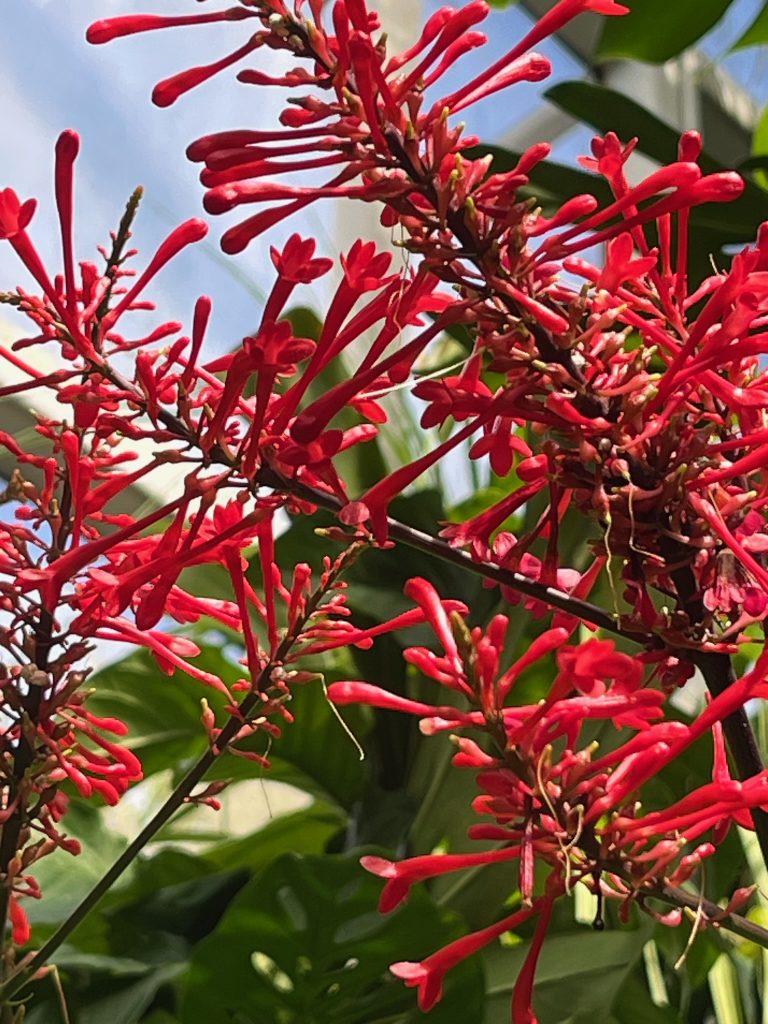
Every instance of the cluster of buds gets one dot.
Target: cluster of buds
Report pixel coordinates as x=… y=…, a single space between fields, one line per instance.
x=647 y=391
x=552 y=798
x=635 y=399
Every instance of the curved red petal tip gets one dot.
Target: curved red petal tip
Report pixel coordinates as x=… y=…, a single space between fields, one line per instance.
x=219 y=199
x=100 y=32
x=379 y=866
x=234 y=241
x=14 y=215
x=196 y=230
x=26 y=213
x=410 y=972
x=68 y=144
x=166 y=93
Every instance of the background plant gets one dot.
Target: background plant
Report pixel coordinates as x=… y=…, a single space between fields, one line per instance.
x=632 y=406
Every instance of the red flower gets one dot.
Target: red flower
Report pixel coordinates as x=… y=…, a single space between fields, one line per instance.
x=428 y=975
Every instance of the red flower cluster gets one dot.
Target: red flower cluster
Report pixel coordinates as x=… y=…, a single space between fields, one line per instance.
x=660 y=442
x=635 y=400
x=77 y=567
x=551 y=799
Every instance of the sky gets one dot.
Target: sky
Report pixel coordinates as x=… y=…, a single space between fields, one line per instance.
x=51 y=79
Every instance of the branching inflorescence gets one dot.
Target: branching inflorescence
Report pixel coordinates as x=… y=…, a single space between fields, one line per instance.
x=626 y=394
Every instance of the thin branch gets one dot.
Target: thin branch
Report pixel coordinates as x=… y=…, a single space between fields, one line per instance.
x=413 y=538
x=551 y=596
x=717 y=669
x=25 y=753
x=712 y=914
x=183 y=790
x=126 y=858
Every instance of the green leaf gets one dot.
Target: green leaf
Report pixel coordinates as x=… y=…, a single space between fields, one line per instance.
x=64 y=879
x=656 y=30
x=306 y=832
x=753 y=163
x=724 y=986
x=713 y=225
x=163 y=718
x=162 y=713
x=756 y=34
x=96 y=990
x=609 y=110
x=633 y=1004
x=188 y=909
x=314 y=752
x=579 y=974
x=127 y=1005
x=304 y=944
x=760 y=148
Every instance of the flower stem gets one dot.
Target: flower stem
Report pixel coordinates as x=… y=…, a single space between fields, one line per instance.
x=16 y=981
x=182 y=791
x=413 y=538
x=712 y=913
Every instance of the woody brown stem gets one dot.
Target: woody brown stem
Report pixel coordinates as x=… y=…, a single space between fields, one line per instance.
x=421 y=541
x=24 y=756
x=718 y=674
x=551 y=596
x=710 y=912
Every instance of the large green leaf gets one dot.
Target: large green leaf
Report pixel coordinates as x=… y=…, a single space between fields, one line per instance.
x=162 y=713
x=633 y=1004
x=304 y=944
x=187 y=909
x=64 y=879
x=712 y=226
x=148 y=927
x=656 y=30
x=578 y=976
x=95 y=996
x=307 y=831
x=163 y=717
x=314 y=753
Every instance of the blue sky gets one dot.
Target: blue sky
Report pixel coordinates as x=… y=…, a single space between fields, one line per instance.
x=50 y=78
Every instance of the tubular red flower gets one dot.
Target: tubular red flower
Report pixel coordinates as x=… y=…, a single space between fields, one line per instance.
x=185 y=234
x=130 y=24
x=67 y=148
x=522 y=1011
x=170 y=89
x=405 y=873
x=428 y=975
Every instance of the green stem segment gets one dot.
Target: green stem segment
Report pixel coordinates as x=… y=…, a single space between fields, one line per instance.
x=126 y=858
x=183 y=790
